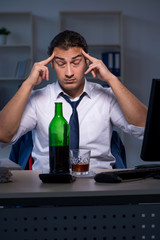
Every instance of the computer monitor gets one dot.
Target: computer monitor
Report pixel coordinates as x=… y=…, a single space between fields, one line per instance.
x=151 y=142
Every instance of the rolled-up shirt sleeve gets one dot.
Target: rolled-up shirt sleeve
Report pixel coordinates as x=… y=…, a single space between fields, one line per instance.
x=118 y=119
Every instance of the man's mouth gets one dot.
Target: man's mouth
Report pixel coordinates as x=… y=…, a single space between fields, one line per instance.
x=70 y=80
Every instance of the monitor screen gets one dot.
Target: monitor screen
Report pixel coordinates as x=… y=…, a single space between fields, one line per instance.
x=151 y=142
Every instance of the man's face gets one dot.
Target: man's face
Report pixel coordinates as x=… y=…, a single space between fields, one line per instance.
x=70 y=66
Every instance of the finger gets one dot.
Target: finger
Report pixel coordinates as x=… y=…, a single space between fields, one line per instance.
x=87 y=71
x=90 y=68
x=93 y=68
x=44 y=73
x=86 y=55
x=47 y=74
x=93 y=73
x=48 y=60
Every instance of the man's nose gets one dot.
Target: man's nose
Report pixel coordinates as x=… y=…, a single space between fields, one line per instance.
x=69 y=76
x=69 y=73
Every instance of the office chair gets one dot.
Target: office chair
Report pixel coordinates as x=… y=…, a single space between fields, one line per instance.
x=21 y=151
x=118 y=151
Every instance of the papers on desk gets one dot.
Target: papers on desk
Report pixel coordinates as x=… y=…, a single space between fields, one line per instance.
x=5 y=175
x=6 y=163
x=6 y=166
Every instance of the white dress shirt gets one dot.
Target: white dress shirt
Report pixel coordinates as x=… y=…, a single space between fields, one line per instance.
x=98 y=112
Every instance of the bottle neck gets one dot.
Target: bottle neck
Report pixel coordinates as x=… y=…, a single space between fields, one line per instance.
x=58 y=109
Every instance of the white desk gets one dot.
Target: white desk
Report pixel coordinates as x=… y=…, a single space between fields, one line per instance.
x=82 y=210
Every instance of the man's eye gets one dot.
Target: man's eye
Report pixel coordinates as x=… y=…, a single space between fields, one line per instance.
x=60 y=64
x=76 y=62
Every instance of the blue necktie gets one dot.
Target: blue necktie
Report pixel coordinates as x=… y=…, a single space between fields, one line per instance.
x=73 y=122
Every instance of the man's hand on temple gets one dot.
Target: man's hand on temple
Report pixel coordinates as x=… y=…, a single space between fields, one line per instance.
x=40 y=71
x=98 y=68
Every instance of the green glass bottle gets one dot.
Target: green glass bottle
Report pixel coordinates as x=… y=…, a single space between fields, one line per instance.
x=59 y=142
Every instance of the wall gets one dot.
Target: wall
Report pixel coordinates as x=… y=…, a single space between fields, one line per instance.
x=141 y=20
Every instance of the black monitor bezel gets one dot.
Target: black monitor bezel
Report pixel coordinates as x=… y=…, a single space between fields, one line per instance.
x=150 y=150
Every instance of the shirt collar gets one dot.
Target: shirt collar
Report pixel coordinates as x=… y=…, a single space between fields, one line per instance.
x=58 y=89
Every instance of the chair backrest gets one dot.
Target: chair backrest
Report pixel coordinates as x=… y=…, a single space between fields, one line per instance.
x=21 y=151
x=118 y=151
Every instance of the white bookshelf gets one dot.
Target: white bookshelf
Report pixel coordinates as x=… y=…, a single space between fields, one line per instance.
x=18 y=48
x=19 y=42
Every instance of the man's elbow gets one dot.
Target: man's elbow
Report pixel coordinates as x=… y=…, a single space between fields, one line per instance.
x=5 y=138
x=143 y=117
x=139 y=120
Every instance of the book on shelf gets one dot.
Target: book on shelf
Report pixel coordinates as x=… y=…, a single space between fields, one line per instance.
x=23 y=68
x=113 y=62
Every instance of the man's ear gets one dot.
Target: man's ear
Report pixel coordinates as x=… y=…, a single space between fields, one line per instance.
x=87 y=62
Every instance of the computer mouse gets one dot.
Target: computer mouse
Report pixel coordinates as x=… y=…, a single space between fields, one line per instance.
x=107 y=177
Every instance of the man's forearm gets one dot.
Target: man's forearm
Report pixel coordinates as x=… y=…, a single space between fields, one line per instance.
x=135 y=111
x=11 y=114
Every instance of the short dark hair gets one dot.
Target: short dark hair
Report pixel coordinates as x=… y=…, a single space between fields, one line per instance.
x=66 y=40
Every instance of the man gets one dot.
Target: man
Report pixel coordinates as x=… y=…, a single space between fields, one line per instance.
x=99 y=110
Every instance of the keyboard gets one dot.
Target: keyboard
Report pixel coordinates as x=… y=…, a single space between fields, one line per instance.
x=140 y=172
